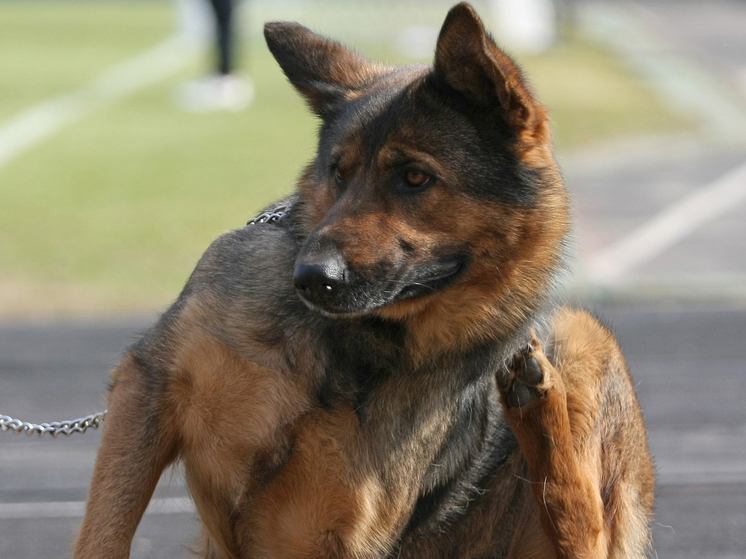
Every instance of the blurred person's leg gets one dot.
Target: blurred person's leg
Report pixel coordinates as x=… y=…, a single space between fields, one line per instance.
x=223 y=90
x=223 y=18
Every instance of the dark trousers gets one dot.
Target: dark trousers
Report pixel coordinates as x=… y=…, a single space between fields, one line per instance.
x=223 y=16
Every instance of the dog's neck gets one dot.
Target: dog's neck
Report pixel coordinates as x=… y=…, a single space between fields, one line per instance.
x=428 y=337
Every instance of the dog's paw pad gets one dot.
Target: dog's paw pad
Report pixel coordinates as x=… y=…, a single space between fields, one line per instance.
x=531 y=373
x=520 y=394
x=519 y=379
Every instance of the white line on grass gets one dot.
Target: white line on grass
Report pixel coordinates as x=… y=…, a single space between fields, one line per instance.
x=43 y=120
x=669 y=227
x=75 y=509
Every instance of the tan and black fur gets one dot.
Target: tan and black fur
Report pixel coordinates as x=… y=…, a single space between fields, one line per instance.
x=382 y=373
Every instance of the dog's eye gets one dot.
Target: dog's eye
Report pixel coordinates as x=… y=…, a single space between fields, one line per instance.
x=338 y=178
x=417 y=178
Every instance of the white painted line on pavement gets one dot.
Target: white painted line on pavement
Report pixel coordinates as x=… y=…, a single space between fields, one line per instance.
x=684 y=84
x=700 y=478
x=693 y=474
x=43 y=120
x=669 y=227
x=75 y=509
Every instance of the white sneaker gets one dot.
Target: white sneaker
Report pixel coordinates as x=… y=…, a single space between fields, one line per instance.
x=216 y=93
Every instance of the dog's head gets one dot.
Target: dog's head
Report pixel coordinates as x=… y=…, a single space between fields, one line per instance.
x=432 y=187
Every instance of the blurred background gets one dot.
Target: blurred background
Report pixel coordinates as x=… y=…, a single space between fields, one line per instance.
x=122 y=155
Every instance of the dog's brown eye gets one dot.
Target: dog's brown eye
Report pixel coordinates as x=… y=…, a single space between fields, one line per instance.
x=338 y=177
x=416 y=178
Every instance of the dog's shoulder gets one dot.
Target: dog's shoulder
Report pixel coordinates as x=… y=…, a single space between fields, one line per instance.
x=236 y=304
x=242 y=287
x=250 y=259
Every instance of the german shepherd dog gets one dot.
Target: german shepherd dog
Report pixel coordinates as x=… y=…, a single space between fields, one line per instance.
x=376 y=369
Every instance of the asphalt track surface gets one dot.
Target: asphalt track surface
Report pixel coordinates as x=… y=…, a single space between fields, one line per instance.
x=687 y=367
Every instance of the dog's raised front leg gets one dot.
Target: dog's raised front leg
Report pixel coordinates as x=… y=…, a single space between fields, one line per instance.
x=535 y=403
x=136 y=445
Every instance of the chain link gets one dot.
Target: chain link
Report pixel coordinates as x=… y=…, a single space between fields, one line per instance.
x=55 y=428
x=270 y=217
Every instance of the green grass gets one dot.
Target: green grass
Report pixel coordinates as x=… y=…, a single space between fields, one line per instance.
x=127 y=199
x=112 y=213
x=50 y=48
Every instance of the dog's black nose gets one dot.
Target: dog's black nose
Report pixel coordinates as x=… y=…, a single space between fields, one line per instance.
x=320 y=280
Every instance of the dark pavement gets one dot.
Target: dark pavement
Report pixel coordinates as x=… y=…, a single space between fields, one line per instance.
x=688 y=368
x=59 y=371
x=612 y=203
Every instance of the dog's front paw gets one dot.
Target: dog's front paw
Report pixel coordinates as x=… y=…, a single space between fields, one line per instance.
x=522 y=379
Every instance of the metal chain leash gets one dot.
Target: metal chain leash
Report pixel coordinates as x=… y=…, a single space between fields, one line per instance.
x=82 y=424
x=270 y=217
x=55 y=428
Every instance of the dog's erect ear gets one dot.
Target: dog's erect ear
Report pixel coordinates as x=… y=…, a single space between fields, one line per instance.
x=324 y=71
x=468 y=60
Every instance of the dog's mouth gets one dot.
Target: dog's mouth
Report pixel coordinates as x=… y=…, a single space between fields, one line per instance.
x=356 y=293
x=358 y=298
x=445 y=273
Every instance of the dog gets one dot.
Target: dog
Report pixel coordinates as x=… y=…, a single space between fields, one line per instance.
x=375 y=366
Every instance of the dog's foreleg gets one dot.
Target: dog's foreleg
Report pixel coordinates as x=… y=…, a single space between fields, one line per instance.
x=571 y=508
x=136 y=445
